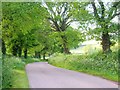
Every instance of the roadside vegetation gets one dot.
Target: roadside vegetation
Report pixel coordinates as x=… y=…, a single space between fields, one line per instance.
x=0 y=70
x=13 y=72
x=98 y=64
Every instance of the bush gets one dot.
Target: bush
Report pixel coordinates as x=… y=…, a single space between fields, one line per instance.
x=12 y=64
x=8 y=65
x=30 y=60
x=7 y=74
x=18 y=63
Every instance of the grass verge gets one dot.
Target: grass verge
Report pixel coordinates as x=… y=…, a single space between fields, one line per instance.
x=20 y=79
x=98 y=64
x=13 y=72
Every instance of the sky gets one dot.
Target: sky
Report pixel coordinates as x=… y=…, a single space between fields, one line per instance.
x=75 y=25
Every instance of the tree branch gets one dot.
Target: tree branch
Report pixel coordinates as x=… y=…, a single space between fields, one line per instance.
x=55 y=23
x=116 y=14
x=95 y=10
x=116 y=4
x=103 y=9
x=114 y=7
x=65 y=8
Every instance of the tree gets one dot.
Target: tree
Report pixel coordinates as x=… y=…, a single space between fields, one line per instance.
x=60 y=18
x=44 y=42
x=103 y=17
x=20 y=21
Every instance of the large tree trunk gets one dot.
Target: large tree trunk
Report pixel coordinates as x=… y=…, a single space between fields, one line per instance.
x=14 y=50
x=3 y=47
x=106 y=42
x=25 y=53
x=37 y=54
x=43 y=56
x=20 y=51
x=65 y=47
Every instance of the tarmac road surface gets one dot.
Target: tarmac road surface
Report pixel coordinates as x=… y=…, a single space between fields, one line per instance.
x=44 y=75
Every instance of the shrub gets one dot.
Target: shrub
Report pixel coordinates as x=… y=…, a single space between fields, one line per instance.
x=7 y=74
x=8 y=65
x=30 y=60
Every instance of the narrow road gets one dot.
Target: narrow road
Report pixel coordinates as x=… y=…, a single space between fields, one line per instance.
x=44 y=75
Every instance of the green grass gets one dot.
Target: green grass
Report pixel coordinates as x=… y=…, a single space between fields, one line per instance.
x=13 y=72
x=105 y=75
x=0 y=76
x=20 y=79
x=98 y=64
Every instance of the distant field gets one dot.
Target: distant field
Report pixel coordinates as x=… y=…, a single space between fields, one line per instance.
x=89 y=47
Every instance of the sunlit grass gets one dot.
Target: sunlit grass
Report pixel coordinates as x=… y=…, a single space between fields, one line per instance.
x=20 y=79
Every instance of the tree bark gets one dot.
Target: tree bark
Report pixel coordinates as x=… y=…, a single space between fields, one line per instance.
x=25 y=53
x=106 y=42
x=43 y=56
x=3 y=47
x=37 y=54
x=20 y=51
x=14 y=50
x=65 y=47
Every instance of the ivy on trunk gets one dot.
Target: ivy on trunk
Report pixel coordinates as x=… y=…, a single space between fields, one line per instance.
x=106 y=42
x=65 y=47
